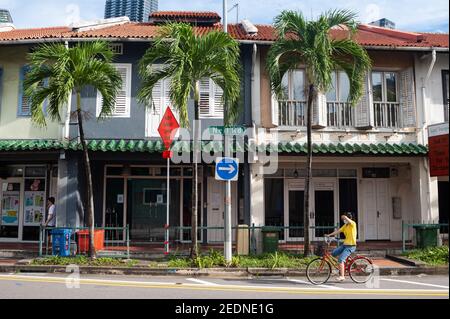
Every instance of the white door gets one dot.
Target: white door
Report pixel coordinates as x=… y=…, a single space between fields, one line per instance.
x=376 y=209
x=216 y=210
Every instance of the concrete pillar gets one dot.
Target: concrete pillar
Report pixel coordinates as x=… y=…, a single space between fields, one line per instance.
x=425 y=192
x=61 y=200
x=257 y=214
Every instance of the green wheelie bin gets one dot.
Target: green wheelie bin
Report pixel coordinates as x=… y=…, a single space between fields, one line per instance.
x=271 y=237
x=427 y=235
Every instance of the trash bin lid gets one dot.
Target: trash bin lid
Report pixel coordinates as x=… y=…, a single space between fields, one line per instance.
x=429 y=226
x=271 y=229
x=61 y=231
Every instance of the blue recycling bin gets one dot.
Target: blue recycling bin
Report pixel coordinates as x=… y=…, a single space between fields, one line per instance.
x=61 y=242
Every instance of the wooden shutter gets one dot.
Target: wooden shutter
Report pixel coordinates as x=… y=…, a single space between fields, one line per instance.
x=123 y=98
x=319 y=111
x=155 y=113
x=364 y=108
x=205 y=97
x=24 y=108
x=217 y=100
x=407 y=97
x=122 y=108
x=275 y=111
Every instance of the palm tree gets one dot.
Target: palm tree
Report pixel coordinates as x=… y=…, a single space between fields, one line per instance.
x=310 y=43
x=188 y=57
x=56 y=72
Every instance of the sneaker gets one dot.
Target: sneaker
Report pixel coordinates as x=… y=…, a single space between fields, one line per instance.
x=340 y=279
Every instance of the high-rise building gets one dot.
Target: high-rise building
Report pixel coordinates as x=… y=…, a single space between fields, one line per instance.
x=384 y=23
x=5 y=16
x=136 y=10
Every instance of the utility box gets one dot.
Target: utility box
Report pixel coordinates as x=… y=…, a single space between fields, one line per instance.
x=242 y=240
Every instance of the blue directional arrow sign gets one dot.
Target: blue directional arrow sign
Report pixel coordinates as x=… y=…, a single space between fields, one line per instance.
x=227 y=169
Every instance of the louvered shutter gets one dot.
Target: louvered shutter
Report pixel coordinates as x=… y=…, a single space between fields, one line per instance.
x=122 y=108
x=364 y=109
x=155 y=111
x=319 y=111
x=123 y=98
x=205 y=97
x=24 y=108
x=407 y=98
x=168 y=103
x=217 y=100
x=275 y=111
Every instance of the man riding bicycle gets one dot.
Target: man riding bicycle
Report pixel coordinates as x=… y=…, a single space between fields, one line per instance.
x=349 y=246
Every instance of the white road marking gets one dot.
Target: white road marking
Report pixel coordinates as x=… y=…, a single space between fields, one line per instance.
x=414 y=283
x=308 y=283
x=203 y=282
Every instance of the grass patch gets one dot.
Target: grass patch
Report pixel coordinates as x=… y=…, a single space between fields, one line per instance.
x=83 y=261
x=215 y=259
x=433 y=256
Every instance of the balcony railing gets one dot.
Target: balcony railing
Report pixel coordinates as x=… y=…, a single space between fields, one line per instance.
x=292 y=113
x=340 y=115
x=386 y=114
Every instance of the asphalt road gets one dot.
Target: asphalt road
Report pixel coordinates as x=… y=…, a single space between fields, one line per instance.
x=43 y=286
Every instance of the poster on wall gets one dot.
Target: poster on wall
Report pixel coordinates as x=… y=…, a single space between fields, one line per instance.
x=34 y=204
x=10 y=209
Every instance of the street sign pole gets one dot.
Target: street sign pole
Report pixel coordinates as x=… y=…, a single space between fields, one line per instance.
x=167 y=129
x=228 y=242
x=168 y=207
x=227 y=169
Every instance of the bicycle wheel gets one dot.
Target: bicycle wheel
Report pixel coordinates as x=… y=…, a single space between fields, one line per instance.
x=318 y=271
x=361 y=270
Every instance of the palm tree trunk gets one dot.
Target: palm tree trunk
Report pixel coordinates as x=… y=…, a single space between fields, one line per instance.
x=194 y=219
x=87 y=168
x=306 y=212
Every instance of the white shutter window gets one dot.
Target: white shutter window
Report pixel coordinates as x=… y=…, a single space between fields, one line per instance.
x=122 y=108
x=205 y=97
x=155 y=111
x=407 y=98
x=364 y=108
x=211 y=99
x=218 y=101
x=320 y=111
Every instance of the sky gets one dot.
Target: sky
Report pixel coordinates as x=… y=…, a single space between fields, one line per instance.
x=412 y=15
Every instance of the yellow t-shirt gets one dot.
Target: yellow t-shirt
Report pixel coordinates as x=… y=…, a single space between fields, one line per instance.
x=350 y=231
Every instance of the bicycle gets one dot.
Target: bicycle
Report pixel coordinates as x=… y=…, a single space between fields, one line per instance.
x=359 y=268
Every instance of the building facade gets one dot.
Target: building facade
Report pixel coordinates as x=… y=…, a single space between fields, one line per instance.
x=136 y=10
x=370 y=159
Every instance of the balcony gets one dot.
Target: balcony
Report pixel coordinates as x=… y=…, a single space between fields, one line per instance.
x=340 y=115
x=292 y=113
x=386 y=115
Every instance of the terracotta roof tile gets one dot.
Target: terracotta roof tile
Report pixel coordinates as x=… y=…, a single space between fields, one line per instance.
x=185 y=14
x=366 y=36
x=30 y=34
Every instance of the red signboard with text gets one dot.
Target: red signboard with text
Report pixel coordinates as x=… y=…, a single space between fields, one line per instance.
x=438 y=149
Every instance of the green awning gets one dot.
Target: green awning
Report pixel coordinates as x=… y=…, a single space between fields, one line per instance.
x=156 y=146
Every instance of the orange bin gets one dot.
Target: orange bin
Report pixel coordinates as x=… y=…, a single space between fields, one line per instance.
x=83 y=240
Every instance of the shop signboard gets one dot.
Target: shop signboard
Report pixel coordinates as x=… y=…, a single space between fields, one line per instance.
x=438 y=149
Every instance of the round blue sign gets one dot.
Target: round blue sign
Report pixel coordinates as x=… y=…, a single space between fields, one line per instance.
x=227 y=169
